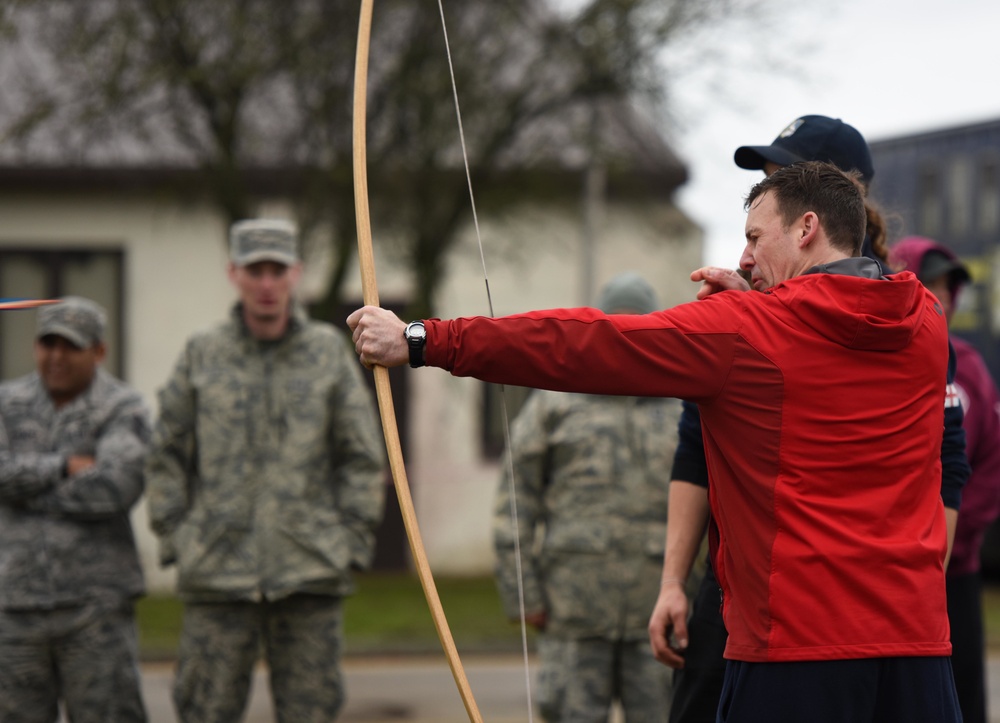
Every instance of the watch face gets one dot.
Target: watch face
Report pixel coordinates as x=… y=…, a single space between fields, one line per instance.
x=415 y=330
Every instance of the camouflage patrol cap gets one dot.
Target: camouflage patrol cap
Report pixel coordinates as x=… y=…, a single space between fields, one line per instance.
x=76 y=319
x=263 y=240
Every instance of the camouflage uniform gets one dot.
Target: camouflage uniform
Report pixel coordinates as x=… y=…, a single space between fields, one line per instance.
x=591 y=487
x=265 y=488
x=69 y=570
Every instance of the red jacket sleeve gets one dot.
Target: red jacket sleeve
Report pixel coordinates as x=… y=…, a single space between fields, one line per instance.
x=585 y=350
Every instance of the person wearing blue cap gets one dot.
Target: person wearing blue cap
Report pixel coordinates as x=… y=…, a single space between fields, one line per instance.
x=701 y=636
x=820 y=138
x=811 y=138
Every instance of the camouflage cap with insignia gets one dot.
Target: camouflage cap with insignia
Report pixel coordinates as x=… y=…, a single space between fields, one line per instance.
x=76 y=319
x=263 y=240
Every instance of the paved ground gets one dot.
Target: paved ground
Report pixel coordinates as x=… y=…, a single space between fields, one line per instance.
x=389 y=690
x=419 y=690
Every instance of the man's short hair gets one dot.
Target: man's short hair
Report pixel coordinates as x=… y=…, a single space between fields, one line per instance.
x=836 y=197
x=78 y=320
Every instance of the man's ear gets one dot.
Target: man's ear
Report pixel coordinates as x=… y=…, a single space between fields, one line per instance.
x=100 y=351
x=231 y=272
x=808 y=228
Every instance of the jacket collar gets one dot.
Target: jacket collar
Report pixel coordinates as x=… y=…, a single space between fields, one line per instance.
x=859 y=266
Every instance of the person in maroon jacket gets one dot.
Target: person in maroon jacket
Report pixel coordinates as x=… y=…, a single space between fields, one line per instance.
x=821 y=403
x=941 y=272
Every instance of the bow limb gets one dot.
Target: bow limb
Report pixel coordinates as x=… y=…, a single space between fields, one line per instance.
x=369 y=287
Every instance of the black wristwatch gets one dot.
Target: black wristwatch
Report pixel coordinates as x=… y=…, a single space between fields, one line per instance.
x=416 y=337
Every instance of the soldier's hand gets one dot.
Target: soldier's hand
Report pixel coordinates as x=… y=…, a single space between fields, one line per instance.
x=378 y=337
x=537 y=620
x=715 y=279
x=668 y=633
x=79 y=463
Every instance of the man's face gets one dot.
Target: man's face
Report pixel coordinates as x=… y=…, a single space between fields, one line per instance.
x=770 y=252
x=265 y=288
x=65 y=369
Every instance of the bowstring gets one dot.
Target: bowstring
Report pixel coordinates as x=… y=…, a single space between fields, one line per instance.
x=503 y=394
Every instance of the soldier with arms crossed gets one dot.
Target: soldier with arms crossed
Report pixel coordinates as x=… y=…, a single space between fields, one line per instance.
x=72 y=444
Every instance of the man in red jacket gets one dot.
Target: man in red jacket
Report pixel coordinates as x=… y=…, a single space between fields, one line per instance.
x=821 y=405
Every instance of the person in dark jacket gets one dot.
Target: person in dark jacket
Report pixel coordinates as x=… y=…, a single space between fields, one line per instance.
x=941 y=272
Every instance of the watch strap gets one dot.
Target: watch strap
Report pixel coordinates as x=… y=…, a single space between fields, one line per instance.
x=415 y=343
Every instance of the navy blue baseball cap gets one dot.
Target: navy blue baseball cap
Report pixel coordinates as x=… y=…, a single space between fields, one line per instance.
x=812 y=138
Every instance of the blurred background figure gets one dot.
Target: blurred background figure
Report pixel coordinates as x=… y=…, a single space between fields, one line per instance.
x=73 y=440
x=944 y=275
x=591 y=491
x=265 y=489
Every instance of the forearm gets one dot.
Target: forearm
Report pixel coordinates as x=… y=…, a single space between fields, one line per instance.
x=508 y=539
x=173 y=458
x=359 y=471
x=26 y=476
x=103 y=491
x=361 y=510
x=510 y=588
x=687 y=518
x=519 y=504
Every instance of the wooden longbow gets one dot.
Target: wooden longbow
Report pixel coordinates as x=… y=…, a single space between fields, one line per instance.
x=366 y=259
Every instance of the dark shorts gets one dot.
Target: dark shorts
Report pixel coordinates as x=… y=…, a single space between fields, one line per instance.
x=876 y=690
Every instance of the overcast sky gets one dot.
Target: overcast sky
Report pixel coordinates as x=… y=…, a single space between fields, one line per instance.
x=887 y=67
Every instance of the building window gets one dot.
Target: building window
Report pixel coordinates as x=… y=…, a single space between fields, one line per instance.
x=493 y=428
x=988 y=198
x=959 y=198
x=50 y=273
x=930 y=209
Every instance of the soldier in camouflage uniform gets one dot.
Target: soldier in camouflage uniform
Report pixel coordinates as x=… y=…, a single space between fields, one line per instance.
x=266 y=484
x=72 y=444
x=591 y=476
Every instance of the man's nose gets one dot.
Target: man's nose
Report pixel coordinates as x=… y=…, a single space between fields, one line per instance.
x=746 y=260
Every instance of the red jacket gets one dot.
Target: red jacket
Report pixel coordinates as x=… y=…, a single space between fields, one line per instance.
x=821 y=405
